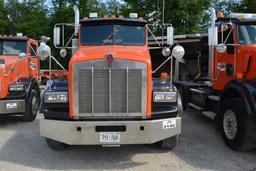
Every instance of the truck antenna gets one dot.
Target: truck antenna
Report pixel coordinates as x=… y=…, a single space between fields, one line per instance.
x=163 y=12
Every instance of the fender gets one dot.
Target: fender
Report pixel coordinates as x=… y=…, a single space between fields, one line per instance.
x=55 y=110
x=29 y=84
x=245 y=89
x=165 y=110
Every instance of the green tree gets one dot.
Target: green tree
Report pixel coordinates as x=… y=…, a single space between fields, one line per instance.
x=227 y=6
x=3 y=18
x=247 y=6
x=28 y=17
x=187 y=16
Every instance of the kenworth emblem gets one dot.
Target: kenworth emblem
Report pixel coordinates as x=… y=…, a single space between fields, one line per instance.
x=110 y=59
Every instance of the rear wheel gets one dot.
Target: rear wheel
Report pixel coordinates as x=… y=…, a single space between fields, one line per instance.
x=55 y=145
x=32 y=105
x=234 y=126
x=169 y=143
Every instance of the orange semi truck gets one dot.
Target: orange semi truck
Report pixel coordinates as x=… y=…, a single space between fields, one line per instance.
x=110 y=97
x=225 y=89
x=19 y=74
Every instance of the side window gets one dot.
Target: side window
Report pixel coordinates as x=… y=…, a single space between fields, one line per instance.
x=241 y=36
x=228 y=37
x=33 y=50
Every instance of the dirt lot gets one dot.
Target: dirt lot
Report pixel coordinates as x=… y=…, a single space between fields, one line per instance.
x=200 y=148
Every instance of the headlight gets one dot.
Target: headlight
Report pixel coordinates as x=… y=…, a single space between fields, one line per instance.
x=56 y=97
x=16 y=87
x=165 y=96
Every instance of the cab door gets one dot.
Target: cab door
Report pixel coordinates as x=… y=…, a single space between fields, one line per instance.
x=225 y=64
x=33 y=60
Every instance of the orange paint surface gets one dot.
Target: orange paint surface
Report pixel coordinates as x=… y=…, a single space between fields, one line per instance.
x=133 y=53
x=243 y=60
x=20 y=69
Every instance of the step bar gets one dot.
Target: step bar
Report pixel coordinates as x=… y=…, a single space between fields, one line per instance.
x=209 y=114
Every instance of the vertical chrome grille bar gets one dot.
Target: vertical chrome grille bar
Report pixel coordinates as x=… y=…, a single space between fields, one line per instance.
x=110 y=93
x=127 y=90
x=92 y=74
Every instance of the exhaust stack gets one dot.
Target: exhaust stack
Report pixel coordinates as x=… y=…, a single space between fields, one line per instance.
x=212 y=42
x=77 y=18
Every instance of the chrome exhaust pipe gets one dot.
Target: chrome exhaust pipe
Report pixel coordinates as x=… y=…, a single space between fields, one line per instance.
x=77 y=18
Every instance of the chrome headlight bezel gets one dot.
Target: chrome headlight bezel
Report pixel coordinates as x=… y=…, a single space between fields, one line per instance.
x=16 y=87
x=56 y=97
x=168 y=96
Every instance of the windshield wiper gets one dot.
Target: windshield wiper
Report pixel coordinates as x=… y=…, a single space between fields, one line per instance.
x=105 y=41
x=118 y=40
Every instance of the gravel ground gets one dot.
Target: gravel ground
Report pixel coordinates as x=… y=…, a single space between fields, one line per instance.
x=200 y=148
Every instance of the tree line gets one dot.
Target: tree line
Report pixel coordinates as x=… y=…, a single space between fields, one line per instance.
x=35 y=18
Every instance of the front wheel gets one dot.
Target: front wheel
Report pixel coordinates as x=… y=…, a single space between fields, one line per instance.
x=234 y=125
x=55 y=145
x=32 y=105
x=169 y=143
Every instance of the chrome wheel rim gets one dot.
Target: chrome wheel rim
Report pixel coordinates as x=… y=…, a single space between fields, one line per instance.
x=34 y=105
x=230 y=124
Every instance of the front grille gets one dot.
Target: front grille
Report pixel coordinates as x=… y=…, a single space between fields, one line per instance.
x=118 y=92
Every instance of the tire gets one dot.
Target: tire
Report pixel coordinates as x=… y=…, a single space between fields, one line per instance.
x=55 y=145
x=184 y=99
x=32 y=105
x=234 y=126
x=168 y=144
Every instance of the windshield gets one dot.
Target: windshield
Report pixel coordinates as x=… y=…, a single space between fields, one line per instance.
x=8 y=47
x=247 y=34
x=113 y=35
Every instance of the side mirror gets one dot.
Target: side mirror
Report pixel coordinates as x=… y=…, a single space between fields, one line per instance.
x=56 y=36
x=63 y=53
x=44 y=51
x=170 y=35
x=22 y=56
x=178 y=52
x=221 y=48
x=166 y=52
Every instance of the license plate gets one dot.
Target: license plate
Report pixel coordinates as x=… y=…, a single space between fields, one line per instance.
x=169 y=124
x=11 y=105
x=110 y=137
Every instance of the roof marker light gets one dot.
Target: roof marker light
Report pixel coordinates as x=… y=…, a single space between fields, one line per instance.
x=133 y=15
x=93 y=15
x=220 y=14
x=242 y=16
x=19 y=34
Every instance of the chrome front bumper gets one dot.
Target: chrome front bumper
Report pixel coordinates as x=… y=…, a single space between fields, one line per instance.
x=12 y=106
x=86 y=132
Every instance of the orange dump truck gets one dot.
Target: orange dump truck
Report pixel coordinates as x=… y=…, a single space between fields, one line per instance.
x=110 y=97
x=225 y=88
x=19 y=73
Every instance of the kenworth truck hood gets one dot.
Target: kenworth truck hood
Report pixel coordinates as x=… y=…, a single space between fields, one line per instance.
x=5 y=81
x=132 y=53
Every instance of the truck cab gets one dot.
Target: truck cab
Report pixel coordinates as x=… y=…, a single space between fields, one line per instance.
x=238 y=34
x=19 y=73
x=110 y=97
